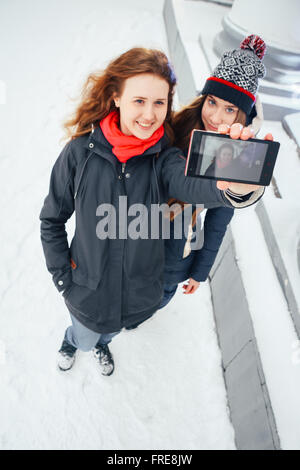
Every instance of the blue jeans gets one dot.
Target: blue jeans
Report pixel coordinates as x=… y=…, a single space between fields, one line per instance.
x=85 y=339
x=169 y=292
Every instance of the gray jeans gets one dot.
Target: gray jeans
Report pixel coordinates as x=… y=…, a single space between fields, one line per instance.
x=85 y=339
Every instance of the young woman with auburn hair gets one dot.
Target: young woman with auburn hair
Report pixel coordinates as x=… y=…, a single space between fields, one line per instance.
x=118 y=156
x=100 y=87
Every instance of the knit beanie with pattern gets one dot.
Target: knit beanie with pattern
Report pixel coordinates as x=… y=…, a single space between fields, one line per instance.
x=235 y=79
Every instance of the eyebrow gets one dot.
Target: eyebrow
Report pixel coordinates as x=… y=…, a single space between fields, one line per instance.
x=143 y=98
x=228 y=105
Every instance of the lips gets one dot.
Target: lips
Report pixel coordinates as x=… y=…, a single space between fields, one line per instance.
x=212 y=128
x=144 y=126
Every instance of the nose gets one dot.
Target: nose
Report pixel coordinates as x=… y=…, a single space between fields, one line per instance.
x=217 y=117
x=148 y=112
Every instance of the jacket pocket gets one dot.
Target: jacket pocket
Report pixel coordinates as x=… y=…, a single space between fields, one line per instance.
x=88 y=262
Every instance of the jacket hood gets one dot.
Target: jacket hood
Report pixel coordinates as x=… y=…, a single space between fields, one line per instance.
x=256 y=118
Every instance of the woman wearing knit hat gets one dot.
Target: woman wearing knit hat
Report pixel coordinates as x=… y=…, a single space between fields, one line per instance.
x=228 y=100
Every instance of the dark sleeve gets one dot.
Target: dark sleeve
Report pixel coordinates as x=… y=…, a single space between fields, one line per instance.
x=187 y=189
x=171 y=167
x=215 y=226
x=57 y=209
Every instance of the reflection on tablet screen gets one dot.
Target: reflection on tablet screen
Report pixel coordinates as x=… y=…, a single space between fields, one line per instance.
x=222 y=158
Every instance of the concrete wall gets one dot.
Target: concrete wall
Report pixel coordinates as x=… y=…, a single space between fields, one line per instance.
x=186 y=87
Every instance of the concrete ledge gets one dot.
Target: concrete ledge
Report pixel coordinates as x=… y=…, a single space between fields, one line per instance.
x=278 y=264
x=230 y=306
x=251 y=413
x=291 y=124
x=249 y=403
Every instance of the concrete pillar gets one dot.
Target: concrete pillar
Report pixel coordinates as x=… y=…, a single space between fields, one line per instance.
x=277 y=22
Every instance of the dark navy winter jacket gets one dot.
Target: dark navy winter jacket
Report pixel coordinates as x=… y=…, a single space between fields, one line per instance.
x=198 y=263
x=120 y=281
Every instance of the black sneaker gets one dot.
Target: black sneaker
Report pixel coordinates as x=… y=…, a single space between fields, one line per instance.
x=66 y=356
x=135 y=325
x=132 y=327
x=104 y=356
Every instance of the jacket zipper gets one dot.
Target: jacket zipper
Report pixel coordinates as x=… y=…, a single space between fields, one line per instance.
x=156 y=180
x=124 y=300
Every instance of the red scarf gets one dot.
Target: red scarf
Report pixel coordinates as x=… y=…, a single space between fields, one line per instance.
x=126 y=146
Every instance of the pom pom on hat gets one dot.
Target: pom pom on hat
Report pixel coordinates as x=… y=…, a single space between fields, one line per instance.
x=255 y=44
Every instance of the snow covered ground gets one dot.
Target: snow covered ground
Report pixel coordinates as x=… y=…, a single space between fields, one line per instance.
x=167 y=391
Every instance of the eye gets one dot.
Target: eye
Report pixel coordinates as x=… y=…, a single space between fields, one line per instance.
x=139 y=101
x=211 y=101
x=160 y=102
x=230 y=110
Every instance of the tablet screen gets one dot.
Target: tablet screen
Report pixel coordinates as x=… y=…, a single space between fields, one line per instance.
x=219 y=157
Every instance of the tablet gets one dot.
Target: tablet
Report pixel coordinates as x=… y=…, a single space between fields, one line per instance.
x=218 y=157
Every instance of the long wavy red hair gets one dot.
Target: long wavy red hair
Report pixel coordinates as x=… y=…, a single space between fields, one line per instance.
x=100 y=87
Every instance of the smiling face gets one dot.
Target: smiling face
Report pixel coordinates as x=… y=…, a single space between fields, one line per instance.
x=216 y=111
x=226 y=155
x=143 y=105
